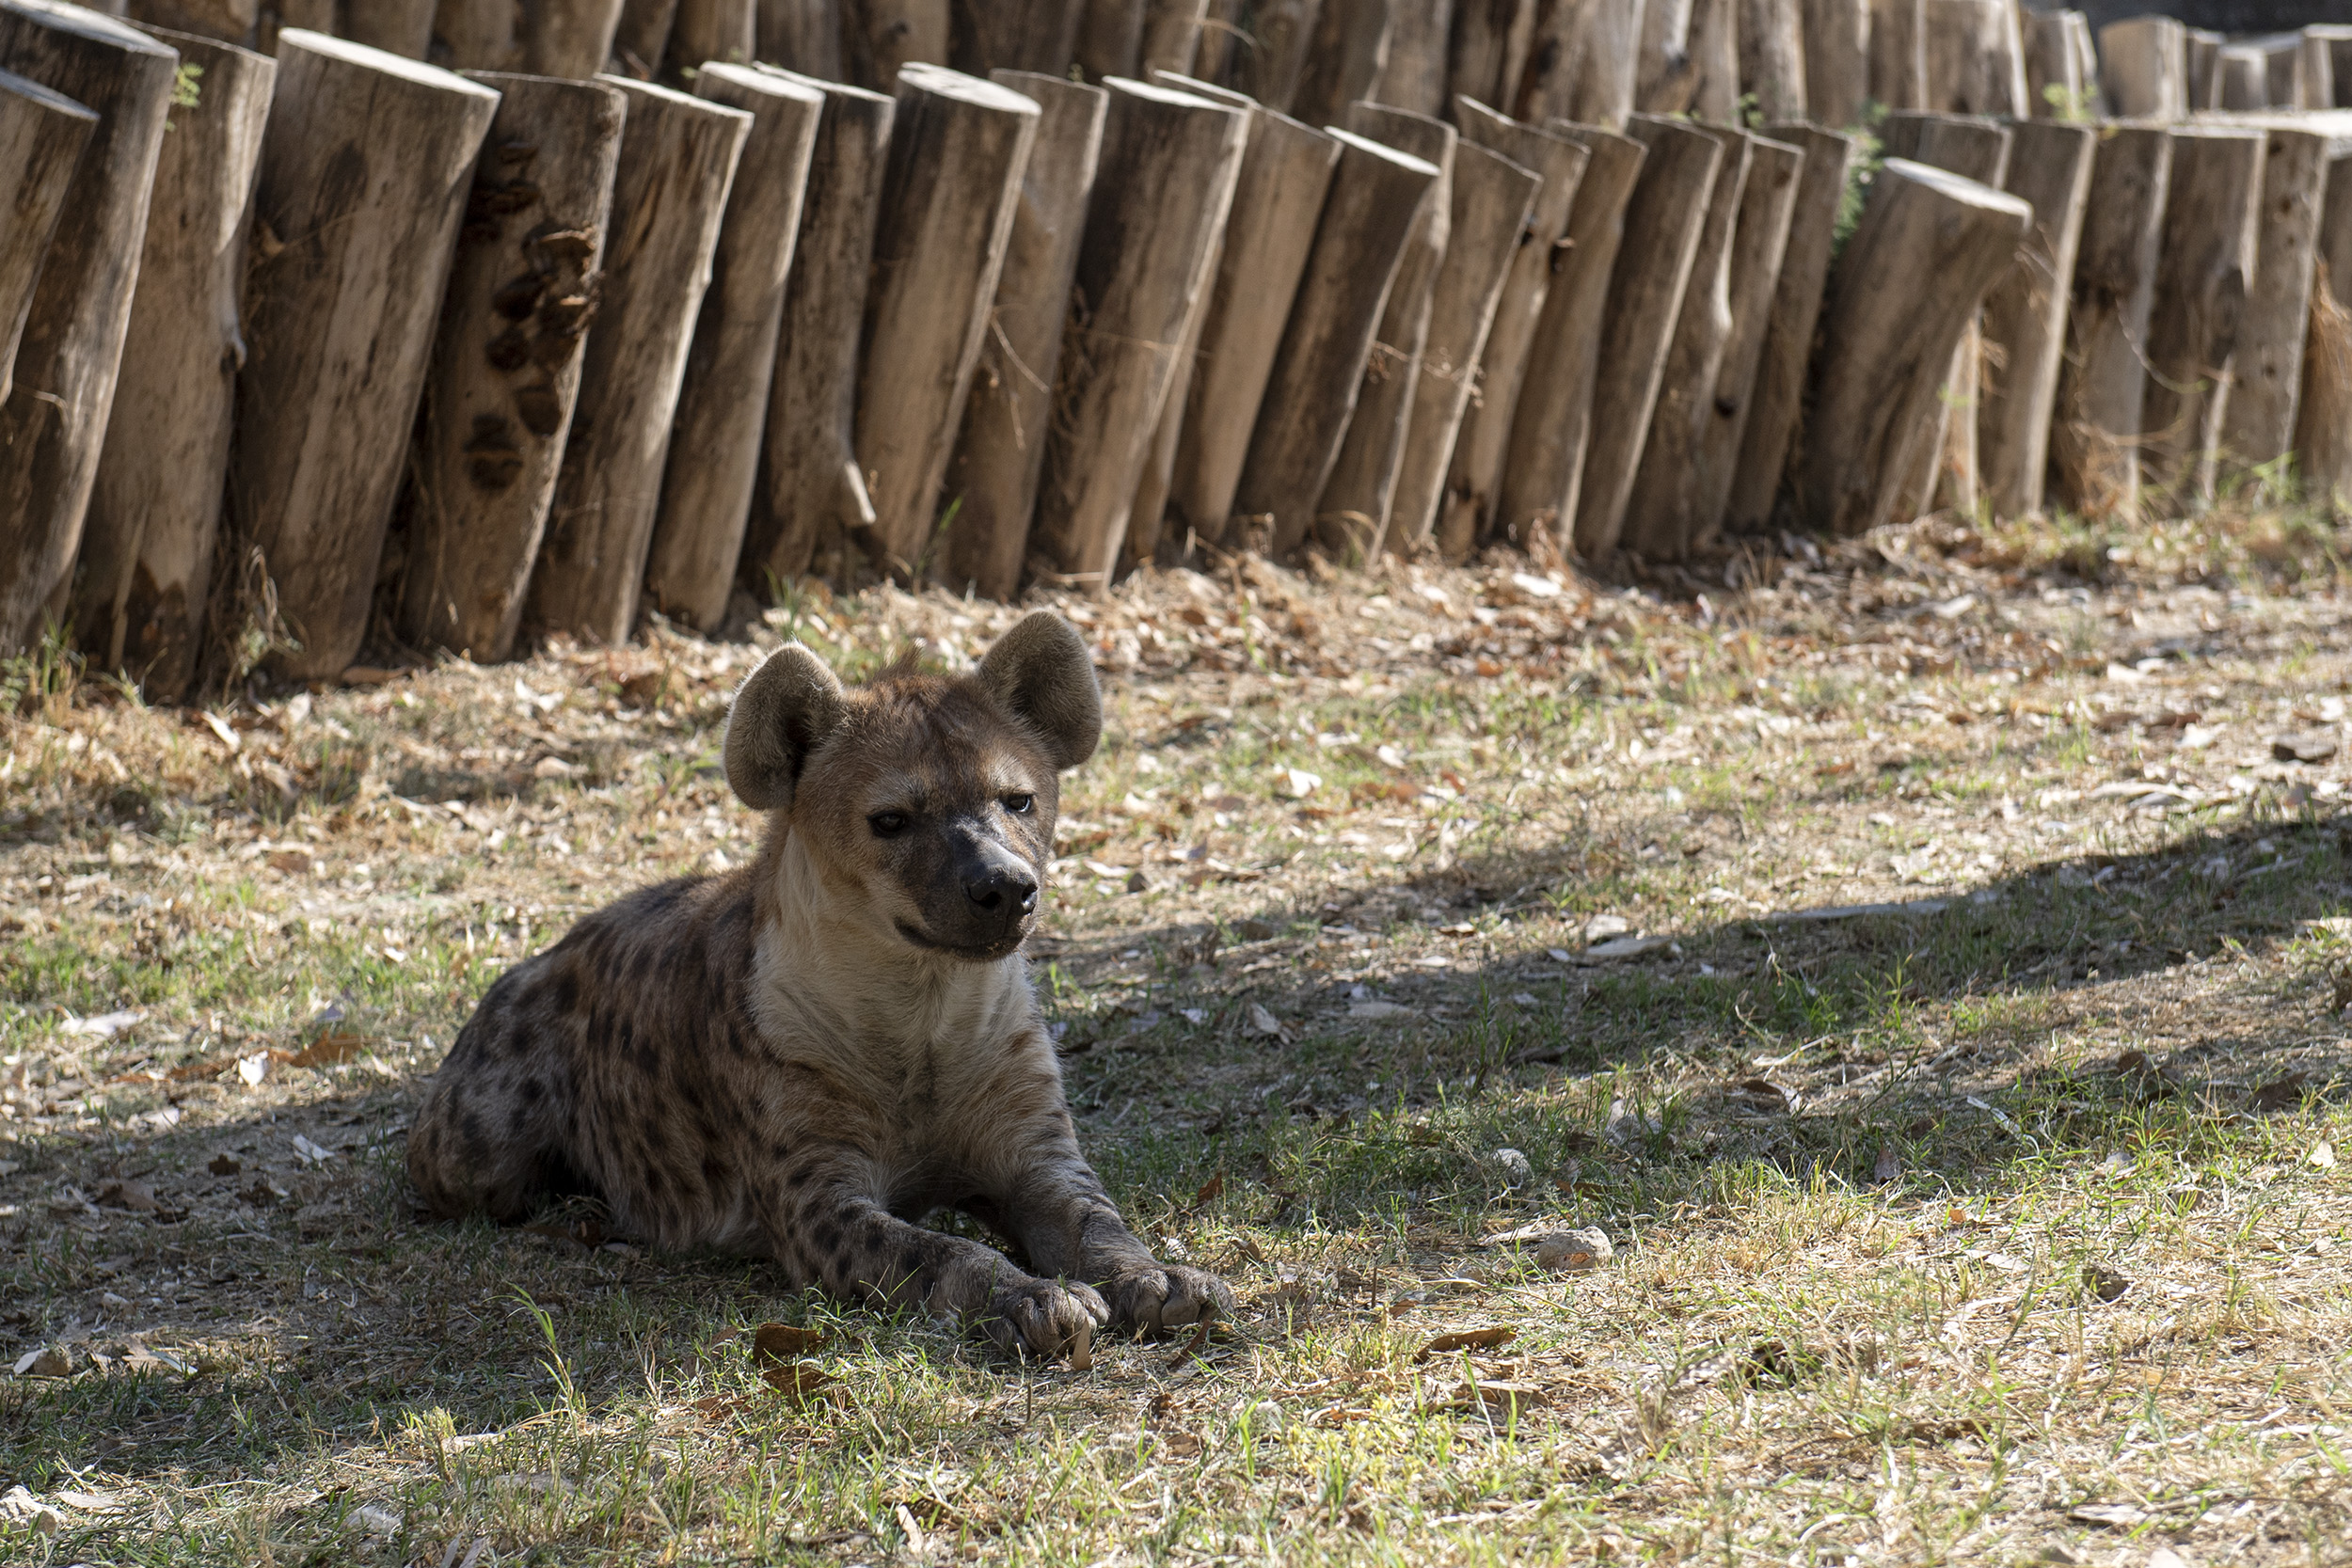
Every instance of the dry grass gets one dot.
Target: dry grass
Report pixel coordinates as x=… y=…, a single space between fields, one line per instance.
x=1996 y=1226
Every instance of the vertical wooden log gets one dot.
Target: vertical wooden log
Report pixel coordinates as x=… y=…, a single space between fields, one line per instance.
x=1352 y=515
x=1489 y=50
x=1661 y=72
x=2056 y=46
x=1040 y=36
x=1153 y=231
x=1530 y=460
x=2205 y=264
x=1465 y=510
x=237 y=22
x=803 y=36
x=1906 y=288
x=1714 y=60
x=505 y=373
x=2243 y=78
x=1898 y=52
x=1553 y=74
x=1779 y=387
x=2258 y=424
x=722 y=30
x=145 y=570
x=811 y=505
x=2319 y=72
x=2286 y=60
x=1285 y=176
x=1976 y=59
x=2025 y=313
x=1837 y=60
x=2103 y=378
x=1662 y=511
x=68 y=354
x=1415 y=78
x=567 y=39
x=669 y=197
x=402 y=28
x=2144 y=69
x=723 y=400
x=43 y=137
x=2202 y=54
x=1268 y=54
x=642 y=36
x=1171 y=34
x=1309 y=394
x=2323 y=440
x=1494 y=201
x=1665 y=221
x=1759 y=245
x=1772 y=57
x=1111 y=38
x=1604 y=90
x=1348 y=55
x=878 y=37
x=2336 y=38
x=993 y=475
x=956 y=155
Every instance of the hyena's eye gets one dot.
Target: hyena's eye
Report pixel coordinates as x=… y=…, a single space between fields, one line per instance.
x=888 y=824
x=1020 y=805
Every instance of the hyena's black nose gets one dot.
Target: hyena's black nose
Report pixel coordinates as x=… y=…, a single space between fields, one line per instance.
x=1002 y=888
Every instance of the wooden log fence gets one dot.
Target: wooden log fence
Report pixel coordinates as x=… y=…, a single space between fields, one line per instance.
x=577 y=348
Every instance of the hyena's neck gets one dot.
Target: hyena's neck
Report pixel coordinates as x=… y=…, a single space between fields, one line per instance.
x=823 y=968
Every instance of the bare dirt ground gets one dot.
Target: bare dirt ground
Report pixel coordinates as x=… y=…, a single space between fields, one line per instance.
x=1917 y=959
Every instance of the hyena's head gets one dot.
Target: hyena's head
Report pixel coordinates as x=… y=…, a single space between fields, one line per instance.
x=927 y=803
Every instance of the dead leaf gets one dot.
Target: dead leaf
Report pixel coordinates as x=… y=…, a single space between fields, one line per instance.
x=1467 y=1339
x=1264 y=1022
x=1888 y=1166
x=224 y=1165
x=2279 y=1094
x=327 y=1049
x=2103 y=1282
x=1498 y=1396
x=799 y=1381
x=1183 y=1445
x=781 y=1342
x=1193 y=1345
x=2303 y=748
x=1211 y=1190
x=1762 y=1094
x=2112 y=1516
x=137 y=1197
x=2321 y=1155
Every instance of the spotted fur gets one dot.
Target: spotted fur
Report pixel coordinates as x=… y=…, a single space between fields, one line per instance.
x=804 y=1055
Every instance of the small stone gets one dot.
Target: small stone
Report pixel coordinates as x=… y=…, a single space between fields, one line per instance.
x=114 y=1303
x=19 y=1505
x=1512 y=1166
x=48 y=1361
x=2303 y=748
x=1574 y=1251
x=376 y=1519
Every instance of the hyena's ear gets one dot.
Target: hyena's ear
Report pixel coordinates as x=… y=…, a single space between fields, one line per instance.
x=1040 y=671
x=781 y=714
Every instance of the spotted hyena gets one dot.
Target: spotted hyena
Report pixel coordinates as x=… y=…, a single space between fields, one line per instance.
x=803 y=1056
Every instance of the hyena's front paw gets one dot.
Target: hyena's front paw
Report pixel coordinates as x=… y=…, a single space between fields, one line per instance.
x=1044 y=1318
x=1166 y=1296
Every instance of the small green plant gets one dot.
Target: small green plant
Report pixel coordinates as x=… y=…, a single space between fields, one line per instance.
x=184 y=86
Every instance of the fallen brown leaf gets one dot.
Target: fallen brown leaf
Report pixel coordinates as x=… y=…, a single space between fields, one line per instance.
x=1467 y=1339
x=784 y=1341
x=799 y=1381
x=326 y=1051
x=137 y=1197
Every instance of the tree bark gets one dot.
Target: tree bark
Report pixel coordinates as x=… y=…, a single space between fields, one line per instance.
x=722 y=413
x=1664 y=222
x=1415 y=78
x=2258 y=423
x=1285 y=176
x=2324 y=421
x=720 y=30
x=1767 y=207
x=1604 y=90
x=993 y=475
x=1906 y=288
x=1111 y=38
x=1772 y=57
x=1040 y=38
x=237 y=22
x=1352 y=515
x=1898 y=52
x=53 y=422
x=1661 y=72
x=2145 y=75
x=1266 y=59
x=145 y=567
x=1494 y=201
x=1550 y=81
x=642 y=36
x=1976 y=59
x=1489 y=50
x=402 y=28
x=957 y=156
x=2206 y=263
x=1464 y=511
x=505 y=373
x=1349 y=53
x=1531 y=458
x=1778 y=396
x=1662 y=511
x=1309 y=396
x=803 y=36
x=2025 y=314
x=1153 y=231
x=570 y=38
x=1171 y=34
x=2062 y=81
x=1714 y=60
x=811 y=506
x=43 y=137
x=1837 y=60
x=2103 y=378
x=877 y=37
x=669 y=192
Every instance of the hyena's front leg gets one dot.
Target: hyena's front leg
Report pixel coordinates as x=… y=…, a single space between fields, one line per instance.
x=830 y=1230
x=1069 y=1225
